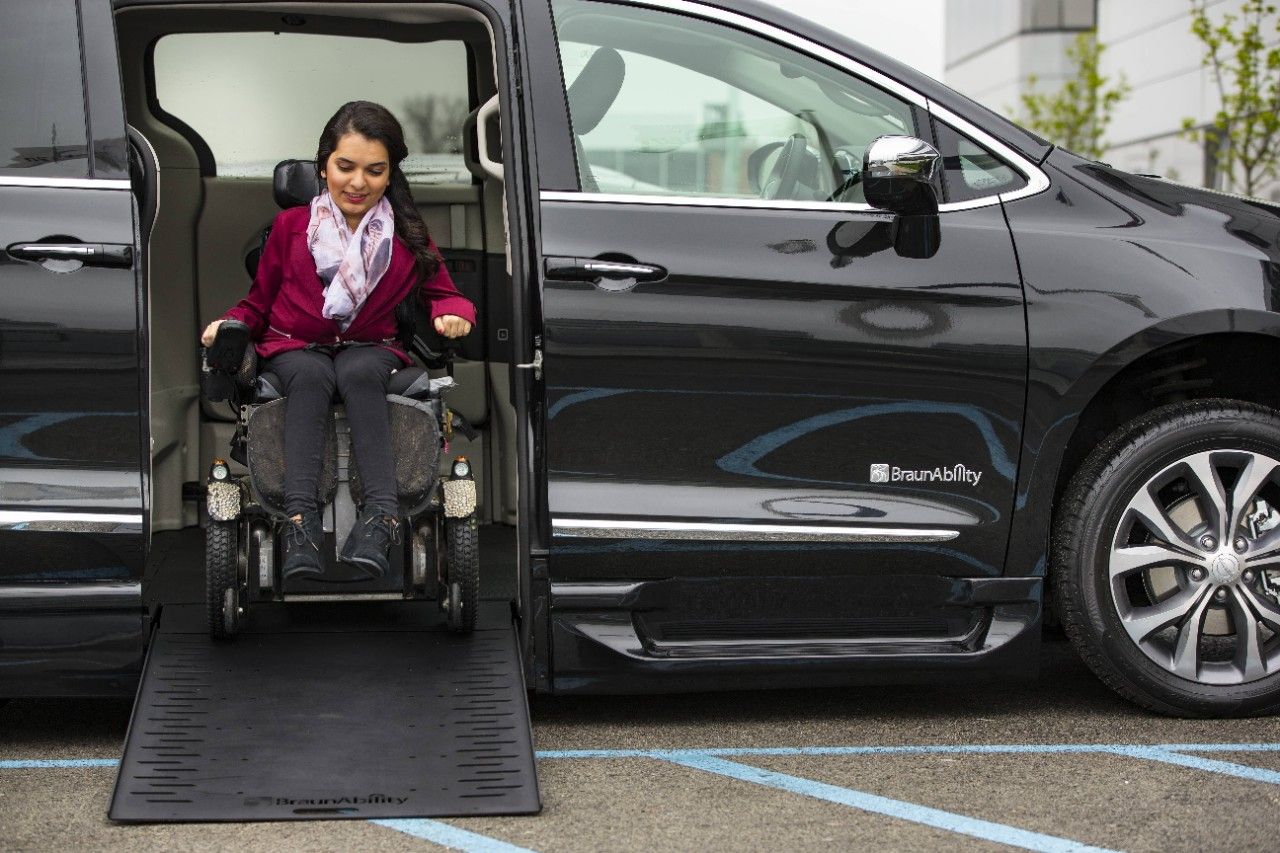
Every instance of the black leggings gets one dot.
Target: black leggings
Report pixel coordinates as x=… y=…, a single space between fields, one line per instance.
x=360 y=375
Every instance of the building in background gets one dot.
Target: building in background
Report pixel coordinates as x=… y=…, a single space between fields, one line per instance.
x=993 y=47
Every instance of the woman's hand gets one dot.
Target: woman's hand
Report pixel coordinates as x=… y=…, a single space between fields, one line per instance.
x=452 y=326
x=210 y=332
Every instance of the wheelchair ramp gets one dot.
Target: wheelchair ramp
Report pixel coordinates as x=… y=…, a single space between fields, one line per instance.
x=310 y=719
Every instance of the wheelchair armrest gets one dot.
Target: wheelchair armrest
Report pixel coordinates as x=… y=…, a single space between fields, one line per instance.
x=229 y=367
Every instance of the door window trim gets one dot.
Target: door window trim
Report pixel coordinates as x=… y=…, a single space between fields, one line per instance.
x=1037 y=180
x=74 y=183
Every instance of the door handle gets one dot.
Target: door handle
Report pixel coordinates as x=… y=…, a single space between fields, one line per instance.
x=89 y=254
x=614 y=276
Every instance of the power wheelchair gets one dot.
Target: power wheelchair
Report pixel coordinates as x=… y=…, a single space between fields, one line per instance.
x=439 y=553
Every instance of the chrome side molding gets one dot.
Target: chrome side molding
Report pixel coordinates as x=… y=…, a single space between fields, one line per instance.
x=609 y=528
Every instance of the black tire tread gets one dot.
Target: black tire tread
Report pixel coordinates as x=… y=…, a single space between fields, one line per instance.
x=462 y=538
x=1084 y=491
x=220 y=561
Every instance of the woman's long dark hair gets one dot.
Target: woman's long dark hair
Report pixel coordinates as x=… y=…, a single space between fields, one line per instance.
x=374 y=121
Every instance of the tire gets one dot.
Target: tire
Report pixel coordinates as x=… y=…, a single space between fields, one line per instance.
x=222 y=585
x=1171 y=629
x=462 y=553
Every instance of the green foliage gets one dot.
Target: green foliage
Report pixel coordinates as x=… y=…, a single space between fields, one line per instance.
x=1077 y=115
x=1246 y=129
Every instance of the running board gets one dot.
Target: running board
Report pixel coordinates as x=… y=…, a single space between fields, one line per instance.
x=329 y=711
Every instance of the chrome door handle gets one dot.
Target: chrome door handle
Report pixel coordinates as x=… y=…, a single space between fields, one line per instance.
x=607 y=275
x=613 y=269
x=90 y=254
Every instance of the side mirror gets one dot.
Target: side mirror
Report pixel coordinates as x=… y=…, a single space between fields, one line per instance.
x=898 y=174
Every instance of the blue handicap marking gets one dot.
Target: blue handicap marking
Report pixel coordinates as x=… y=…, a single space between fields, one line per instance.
x=997 y=832
x=450 y=836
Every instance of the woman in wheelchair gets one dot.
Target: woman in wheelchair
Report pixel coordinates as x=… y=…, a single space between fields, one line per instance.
x=322 y=314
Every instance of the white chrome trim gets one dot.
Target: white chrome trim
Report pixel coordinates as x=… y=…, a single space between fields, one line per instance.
x=39 y=520
x=1037 y=180
x=73 y=183
x=707 y=201
x=608 y=528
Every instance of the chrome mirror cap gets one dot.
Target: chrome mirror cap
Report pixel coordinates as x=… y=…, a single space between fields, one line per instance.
x=898 y=173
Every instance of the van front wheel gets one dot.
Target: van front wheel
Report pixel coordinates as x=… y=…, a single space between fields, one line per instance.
x=1166 y=559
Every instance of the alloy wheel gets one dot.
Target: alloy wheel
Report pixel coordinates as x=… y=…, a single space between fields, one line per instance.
x=1194 y=567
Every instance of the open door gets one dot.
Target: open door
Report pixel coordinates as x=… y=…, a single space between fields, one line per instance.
x=72 y=507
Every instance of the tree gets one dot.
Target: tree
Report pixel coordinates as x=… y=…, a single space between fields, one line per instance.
x=1077 y=115
x=1245 y=131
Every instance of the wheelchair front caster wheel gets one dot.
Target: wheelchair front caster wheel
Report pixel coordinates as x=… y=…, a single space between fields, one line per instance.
x=222 y=586
x=462 y=555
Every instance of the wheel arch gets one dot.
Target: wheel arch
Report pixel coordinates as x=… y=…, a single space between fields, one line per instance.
x=1226 y=354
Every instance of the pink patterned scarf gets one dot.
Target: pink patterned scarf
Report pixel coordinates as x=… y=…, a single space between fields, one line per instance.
x=349 y=264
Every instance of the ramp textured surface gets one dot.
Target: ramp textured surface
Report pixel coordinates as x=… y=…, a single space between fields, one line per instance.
x=323 y=722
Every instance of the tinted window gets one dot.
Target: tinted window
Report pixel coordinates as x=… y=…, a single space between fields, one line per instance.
x=671 y=105
x=259 y=98
x=42 y=127
x=971 y=171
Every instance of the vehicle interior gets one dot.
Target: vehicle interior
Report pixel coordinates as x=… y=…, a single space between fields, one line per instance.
x=215 y=96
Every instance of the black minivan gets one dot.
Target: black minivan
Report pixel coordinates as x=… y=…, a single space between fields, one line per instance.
x=794 y=366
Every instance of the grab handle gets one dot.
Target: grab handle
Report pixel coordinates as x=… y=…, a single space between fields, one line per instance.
x=493 y=167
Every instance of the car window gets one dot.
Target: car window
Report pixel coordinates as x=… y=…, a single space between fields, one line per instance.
x=259 y=98
x=42 y=126
x=970 y=171
x=671 y=105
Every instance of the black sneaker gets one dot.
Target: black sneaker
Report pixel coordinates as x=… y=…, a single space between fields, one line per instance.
x=302 y=542
x=367 y=544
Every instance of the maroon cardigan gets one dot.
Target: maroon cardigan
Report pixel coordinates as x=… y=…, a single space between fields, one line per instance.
x=283 y=307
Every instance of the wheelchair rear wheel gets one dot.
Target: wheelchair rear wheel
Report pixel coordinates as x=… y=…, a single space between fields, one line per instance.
x=221 y=575
x=462 y=578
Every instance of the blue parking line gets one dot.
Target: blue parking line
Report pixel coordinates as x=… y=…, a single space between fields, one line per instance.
x=1221 y=747
x=450 y=836
x=977 y=749
x=42 y=763
x=1213 y=765
x=937 y=818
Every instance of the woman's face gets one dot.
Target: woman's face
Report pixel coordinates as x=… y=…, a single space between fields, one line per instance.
x=357 y=174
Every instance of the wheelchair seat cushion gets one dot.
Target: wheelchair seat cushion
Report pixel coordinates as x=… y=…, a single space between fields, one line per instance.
x=415 y=449
x=266 y=457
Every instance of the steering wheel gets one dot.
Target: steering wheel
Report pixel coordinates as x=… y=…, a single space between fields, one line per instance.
x=785 y=174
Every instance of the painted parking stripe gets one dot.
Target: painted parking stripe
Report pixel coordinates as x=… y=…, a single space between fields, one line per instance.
x=937 y=818
x=449 y=836
x=1197 y=762
x=41 y=763
x=1221 y=747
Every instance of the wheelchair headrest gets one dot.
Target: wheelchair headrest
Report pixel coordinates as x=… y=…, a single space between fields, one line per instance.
x=595 y=89
x=295 y=182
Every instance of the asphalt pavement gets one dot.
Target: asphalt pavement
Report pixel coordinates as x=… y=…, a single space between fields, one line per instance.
x=1060 y=764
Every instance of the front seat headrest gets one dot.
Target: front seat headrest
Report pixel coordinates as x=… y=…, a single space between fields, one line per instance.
x=595 y=89
x=295 y=182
